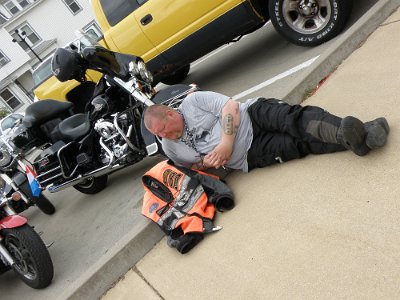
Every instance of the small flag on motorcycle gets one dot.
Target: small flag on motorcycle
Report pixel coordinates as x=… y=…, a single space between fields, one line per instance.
x=33 y=183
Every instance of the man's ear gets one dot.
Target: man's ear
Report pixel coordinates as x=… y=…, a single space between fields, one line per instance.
x=169 y=113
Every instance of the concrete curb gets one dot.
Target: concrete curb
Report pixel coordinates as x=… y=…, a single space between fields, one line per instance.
x=137 y=243
x=115 y=263
x=342 y=47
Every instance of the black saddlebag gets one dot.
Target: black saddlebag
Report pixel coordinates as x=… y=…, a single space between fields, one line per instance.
x=47 y=165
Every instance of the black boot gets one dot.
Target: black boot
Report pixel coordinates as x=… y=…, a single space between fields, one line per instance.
x=352 y=135
x=377 y=132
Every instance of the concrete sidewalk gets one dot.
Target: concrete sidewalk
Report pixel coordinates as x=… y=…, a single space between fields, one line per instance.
x=322 y=227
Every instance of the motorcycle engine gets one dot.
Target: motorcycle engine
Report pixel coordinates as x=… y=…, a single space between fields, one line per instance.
x=111 y=138
x=106 y=129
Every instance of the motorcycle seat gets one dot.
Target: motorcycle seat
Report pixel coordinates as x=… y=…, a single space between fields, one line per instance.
x=170 y=92
x=75 y=127
x=42 y=111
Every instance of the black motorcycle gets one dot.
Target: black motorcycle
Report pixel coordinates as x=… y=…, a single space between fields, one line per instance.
x=80 y=150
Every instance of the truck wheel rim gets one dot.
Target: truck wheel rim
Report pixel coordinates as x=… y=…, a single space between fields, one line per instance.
x=306 y=16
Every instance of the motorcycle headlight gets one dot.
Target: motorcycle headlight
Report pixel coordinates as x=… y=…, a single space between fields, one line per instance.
x=144 y=72
x=133 y=68
x=140 y=69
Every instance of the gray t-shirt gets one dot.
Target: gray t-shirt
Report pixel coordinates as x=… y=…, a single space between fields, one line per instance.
x=202 y=113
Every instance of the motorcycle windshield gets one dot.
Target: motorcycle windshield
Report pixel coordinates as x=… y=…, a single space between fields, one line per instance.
x=109 y=62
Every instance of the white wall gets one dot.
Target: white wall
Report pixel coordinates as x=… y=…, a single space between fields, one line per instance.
x=18 y=57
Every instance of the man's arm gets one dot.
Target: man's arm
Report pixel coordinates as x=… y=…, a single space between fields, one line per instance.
x=230 y=124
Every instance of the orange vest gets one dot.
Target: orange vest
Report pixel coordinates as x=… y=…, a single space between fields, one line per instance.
x=175 y=199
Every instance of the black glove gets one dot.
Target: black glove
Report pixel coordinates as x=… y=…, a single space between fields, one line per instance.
x=188 y=241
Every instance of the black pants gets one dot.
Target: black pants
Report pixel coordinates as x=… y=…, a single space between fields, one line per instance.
x=282 y=132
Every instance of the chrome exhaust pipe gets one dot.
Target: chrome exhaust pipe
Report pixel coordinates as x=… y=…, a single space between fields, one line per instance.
x=96 y=173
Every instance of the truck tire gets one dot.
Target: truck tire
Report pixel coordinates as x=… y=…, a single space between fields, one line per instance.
x=309 y=23
x=177 y=76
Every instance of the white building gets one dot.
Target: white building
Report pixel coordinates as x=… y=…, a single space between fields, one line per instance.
x=44 y=25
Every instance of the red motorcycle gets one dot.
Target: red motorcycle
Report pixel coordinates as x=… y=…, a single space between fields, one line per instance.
x=21 y=248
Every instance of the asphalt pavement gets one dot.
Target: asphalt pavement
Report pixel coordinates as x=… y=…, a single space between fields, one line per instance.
x=323 y=227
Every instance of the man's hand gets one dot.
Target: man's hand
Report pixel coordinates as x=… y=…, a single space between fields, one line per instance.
x=219 y=156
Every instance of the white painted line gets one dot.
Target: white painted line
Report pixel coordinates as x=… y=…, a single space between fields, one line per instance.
x=276 y=78
x=210 y=55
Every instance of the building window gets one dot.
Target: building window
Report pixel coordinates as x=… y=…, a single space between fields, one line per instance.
x=10 y=99
x=12 y=7
x=15 y=6
x=30 y=37
x=73 y=6
x=3 y=18
x=3 y=59
x=23 y=3
x=93 y=30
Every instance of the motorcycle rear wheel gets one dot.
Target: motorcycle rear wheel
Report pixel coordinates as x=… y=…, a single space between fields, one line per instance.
x=42 y=202
x=92 y=185
x=33 y=263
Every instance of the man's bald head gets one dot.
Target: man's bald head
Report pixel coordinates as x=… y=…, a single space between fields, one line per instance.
x=154 y=113
x=163 y=121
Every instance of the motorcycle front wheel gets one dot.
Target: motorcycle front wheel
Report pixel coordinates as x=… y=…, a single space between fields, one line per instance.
x=33 y=263
x=92 y=185
x=41 y=202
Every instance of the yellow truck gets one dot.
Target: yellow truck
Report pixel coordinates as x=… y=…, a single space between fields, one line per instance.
x=170 y=34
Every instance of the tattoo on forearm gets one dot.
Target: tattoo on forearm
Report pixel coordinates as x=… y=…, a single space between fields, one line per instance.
x=227 y=124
